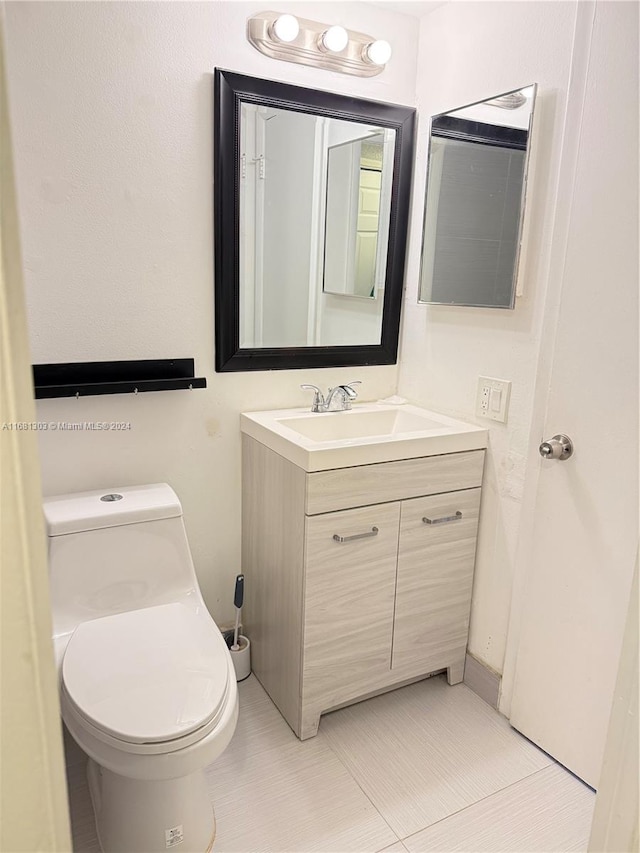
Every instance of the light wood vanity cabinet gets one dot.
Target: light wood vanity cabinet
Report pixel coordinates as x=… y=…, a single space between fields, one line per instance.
x=349 y=591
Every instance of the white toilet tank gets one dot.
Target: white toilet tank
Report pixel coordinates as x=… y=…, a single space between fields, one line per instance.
x=116 y=550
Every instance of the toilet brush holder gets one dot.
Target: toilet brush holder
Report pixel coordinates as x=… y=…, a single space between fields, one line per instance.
x=242 y=658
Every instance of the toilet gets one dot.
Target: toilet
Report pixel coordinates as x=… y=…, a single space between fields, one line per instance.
x=147 y=685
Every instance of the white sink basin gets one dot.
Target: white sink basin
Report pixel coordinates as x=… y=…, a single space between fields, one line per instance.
x=337 y=426
x=368 y=433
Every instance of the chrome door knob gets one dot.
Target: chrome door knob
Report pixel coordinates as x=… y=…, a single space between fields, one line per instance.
x=558 y=447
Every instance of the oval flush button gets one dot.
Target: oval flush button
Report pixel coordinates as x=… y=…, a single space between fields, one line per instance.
x=112 y=497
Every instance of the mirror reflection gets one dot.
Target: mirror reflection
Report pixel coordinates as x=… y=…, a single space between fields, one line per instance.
x=357 y=215
x=315 y=201
x=475 y=202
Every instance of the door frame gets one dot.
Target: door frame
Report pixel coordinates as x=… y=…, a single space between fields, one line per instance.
x=35 y=811
x=615 y=820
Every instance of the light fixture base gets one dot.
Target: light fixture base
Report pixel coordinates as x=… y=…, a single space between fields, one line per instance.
x=304 y=48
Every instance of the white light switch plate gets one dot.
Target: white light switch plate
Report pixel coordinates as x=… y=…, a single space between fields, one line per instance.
x=492 y=398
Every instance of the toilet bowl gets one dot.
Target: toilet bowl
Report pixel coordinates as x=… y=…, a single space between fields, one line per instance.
x=147 y=685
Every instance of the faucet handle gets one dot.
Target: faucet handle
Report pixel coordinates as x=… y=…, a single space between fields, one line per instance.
x=350 y=390
x=318 y=399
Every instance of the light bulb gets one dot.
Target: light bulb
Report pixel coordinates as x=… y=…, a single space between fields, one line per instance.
x=335 y=39
x=286 y=28
x=378 y=52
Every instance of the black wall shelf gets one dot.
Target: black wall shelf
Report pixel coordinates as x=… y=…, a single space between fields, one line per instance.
x=91 y=378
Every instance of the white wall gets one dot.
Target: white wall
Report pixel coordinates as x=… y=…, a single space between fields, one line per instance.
x=111 y=107
x=469 y=52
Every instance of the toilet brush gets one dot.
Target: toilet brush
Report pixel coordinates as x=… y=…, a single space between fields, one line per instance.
x=241 y=648
x=238 y=598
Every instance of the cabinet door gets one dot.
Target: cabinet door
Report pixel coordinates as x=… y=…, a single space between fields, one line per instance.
x=435 y=576
x=349 y=601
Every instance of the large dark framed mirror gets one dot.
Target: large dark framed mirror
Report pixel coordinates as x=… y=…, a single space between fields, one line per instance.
x=311 y=206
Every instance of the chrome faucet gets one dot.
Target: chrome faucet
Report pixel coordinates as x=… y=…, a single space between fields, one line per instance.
x=338 y=399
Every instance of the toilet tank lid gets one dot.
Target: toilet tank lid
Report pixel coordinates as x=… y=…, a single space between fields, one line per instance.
x=93 y=510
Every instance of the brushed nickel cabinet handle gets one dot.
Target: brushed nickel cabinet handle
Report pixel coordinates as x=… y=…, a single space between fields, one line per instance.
x=444 y=520
x=372 y=532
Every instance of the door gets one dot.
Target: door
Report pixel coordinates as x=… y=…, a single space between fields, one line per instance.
x=585 y=528
x=367 y=232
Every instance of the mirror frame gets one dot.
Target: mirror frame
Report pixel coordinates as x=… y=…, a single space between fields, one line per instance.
x=230 y=90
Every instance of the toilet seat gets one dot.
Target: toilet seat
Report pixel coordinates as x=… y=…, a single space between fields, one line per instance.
x=152 y=680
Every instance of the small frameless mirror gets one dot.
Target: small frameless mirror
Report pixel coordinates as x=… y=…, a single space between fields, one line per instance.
x=474 y=206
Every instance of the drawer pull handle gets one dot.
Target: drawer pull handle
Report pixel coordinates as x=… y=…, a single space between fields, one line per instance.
x=372 y=532
x=444 y=520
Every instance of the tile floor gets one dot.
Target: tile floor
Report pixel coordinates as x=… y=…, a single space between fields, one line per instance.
x=425 y=768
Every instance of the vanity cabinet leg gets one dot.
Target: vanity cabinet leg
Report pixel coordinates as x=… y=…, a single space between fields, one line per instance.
x=309 y=724
x=455 y=673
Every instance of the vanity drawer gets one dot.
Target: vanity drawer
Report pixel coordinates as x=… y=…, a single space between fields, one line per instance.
x=342 y=488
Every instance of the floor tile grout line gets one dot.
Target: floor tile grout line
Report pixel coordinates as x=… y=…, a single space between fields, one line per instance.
x=391 y=829
x=551 y=762
x=481 y=800
x=399 y=840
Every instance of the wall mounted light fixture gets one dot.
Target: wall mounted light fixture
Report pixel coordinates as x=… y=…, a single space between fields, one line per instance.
x=321 y=45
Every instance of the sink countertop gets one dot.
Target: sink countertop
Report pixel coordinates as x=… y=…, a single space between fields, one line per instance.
x=367 y=434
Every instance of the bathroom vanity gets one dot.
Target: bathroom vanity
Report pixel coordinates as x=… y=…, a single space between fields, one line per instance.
x=358 y=547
